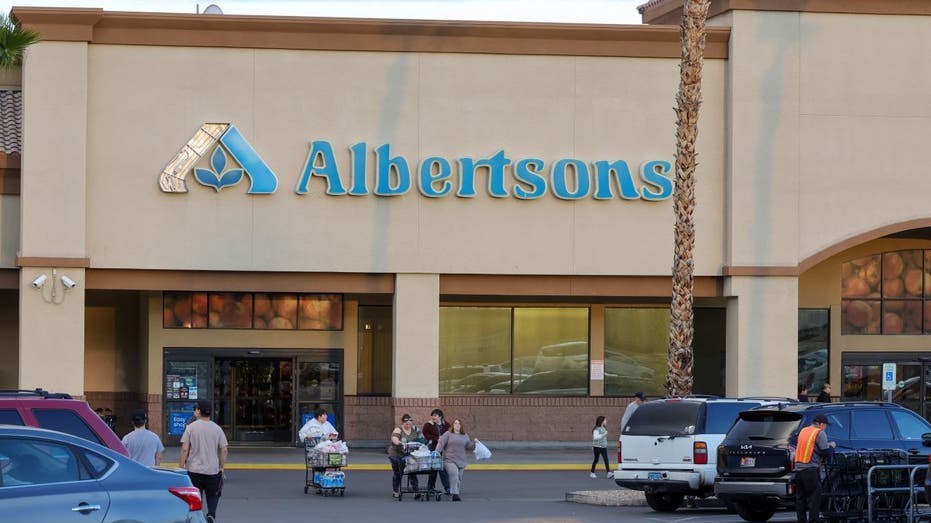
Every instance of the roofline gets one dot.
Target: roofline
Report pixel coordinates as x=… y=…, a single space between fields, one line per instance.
x=97 y=26
x=668 y=11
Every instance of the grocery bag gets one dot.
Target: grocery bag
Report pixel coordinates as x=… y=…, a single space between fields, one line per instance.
x=481 y=451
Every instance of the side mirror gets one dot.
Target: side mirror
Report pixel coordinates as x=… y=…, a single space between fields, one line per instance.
x=926 y=439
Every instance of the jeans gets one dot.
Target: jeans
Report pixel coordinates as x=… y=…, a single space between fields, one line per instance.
x=600 y=452
x=397 y=469
x=444 y=479
x=211 y=485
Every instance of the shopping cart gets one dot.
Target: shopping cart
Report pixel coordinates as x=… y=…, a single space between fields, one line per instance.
x=419 y=466
x=324 y=470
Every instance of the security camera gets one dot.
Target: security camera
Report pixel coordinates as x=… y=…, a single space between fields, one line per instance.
x=39 y=281
x=68 y=282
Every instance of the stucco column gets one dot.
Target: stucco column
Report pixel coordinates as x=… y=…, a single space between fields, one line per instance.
x=762 y=336
x=416 y=359
x=53 y=216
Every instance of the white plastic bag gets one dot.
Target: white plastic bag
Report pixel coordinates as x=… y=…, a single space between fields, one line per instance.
x=481 y=451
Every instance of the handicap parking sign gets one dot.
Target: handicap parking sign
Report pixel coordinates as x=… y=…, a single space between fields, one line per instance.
x=889 y=381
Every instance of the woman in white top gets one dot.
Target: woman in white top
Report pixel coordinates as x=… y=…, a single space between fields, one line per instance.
x=318 y=427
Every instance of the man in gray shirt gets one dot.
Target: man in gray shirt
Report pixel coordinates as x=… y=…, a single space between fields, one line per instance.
x=203 y=454
x=143 y=444
x=813 y=446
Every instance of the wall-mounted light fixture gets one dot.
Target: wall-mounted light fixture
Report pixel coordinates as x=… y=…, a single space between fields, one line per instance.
x=38 y=283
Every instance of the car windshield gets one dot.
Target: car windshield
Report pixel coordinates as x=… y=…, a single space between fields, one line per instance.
x=770 y=426
x=664 y=418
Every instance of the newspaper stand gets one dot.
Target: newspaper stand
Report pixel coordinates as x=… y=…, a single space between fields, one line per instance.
x=324 y=470
x=419 y=466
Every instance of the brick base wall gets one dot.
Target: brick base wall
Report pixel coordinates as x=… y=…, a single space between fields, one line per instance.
x=122 y=404
x=492 y=418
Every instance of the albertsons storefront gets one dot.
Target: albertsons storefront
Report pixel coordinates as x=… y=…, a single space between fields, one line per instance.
x=377 y=217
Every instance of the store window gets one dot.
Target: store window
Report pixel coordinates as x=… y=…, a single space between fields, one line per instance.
x=862 y=382
x=519 y=350
x=636 y=348
x=275 y=311
x=813 y=342
x=375 y=351
x=887 y=293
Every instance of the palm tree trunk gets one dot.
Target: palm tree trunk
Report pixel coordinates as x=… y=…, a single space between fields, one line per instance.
x=681 y=325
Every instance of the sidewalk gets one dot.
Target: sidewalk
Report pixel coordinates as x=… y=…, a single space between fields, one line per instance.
x=506 y=456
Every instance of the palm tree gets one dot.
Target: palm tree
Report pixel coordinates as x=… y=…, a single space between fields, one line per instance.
x=13 y=42
x=688 y=99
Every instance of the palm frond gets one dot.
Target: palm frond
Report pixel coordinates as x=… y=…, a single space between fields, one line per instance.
x=13 y=42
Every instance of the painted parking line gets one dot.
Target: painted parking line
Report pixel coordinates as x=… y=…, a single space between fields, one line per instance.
x=387 y=466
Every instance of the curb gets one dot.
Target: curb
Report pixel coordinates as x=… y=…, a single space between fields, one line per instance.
x=387 y=467
x=608 y=498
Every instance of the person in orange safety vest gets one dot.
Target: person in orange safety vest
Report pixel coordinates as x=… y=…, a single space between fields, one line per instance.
x=813 y=447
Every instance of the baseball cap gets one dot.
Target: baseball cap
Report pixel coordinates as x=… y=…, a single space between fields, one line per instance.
x=821 y=418
x=639 y=395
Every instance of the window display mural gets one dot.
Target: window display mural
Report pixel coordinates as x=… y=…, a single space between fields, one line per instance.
x=276 y=311
x=887 y=293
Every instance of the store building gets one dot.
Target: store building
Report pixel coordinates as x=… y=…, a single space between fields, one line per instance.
x=388 y=216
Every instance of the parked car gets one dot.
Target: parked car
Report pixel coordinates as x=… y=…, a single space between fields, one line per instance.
x=756 y=459
x=56 y=411
x=667 y=447
x=53 y=476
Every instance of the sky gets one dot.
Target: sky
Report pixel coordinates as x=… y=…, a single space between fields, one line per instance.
x=581 y=11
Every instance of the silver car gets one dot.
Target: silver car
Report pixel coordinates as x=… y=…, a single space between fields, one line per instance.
x=52 y=477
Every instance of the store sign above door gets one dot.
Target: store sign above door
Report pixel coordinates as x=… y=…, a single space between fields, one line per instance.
x=229 y=157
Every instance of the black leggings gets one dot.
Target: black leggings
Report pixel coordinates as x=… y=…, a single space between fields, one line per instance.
x=603 y=453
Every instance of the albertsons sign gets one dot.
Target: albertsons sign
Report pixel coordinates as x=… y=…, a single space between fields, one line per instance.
x=229 y=158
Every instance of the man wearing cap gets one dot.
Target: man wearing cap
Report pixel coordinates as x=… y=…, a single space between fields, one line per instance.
x=203 y=454
x=143 y=444
x=629 y=411
x=812 y=448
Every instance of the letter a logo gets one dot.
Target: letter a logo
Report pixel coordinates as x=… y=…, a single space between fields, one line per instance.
x=227 y=143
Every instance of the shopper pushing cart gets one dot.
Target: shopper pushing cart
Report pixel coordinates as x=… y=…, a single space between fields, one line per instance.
x=324 y=456
x=407 y=440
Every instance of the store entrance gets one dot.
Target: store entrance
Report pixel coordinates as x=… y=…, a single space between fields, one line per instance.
x=862 y=379
x=258 y=396
x=253 y=398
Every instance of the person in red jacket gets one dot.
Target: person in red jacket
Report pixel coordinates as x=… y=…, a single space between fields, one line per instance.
x=432 y=430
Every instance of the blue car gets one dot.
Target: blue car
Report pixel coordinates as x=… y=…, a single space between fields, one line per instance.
x=52 y=477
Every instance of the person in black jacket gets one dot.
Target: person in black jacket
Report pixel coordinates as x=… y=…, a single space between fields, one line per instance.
x=432 y=430
x=825 y=396
x=803 y=393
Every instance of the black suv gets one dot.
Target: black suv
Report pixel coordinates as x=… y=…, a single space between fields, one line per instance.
x=756 y=460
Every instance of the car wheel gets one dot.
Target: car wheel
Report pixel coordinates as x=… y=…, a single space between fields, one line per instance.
x=664 y=502
x=749 y=511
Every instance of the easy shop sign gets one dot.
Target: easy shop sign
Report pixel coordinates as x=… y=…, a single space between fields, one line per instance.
x=230 y=158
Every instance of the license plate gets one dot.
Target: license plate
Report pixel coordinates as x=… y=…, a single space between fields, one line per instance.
x=747 y=462
x=654 y=476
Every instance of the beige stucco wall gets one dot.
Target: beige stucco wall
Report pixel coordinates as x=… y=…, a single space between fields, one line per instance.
x=159 y=338
x=828 y=130
x=112 y=342
x=450 y=105
x=416 y=330
x=9 y=230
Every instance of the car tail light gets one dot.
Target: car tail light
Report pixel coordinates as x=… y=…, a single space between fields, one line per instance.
x=619 y=454
x=790 y=451
x=190 y=495
x=700 y=453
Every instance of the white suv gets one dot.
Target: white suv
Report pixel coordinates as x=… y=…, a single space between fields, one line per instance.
x=668 y=449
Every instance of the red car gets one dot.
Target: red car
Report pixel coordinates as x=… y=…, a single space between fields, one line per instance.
x=54 y=411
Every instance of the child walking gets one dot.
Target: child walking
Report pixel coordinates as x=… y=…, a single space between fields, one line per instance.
x=600 y=446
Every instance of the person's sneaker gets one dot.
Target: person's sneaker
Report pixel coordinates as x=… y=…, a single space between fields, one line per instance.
x=446 y=492
x=456 y=497
x=210 y=519
x=609 y=475
x=592 y=475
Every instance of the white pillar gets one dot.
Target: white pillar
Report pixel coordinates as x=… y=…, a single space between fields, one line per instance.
x=416 y=336
x=762 y=336
x=53 y=216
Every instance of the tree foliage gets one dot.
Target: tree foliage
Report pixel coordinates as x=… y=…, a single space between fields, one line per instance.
x=13 y=42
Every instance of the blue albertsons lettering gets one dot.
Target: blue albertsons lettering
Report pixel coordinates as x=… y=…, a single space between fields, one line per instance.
x=567 y=179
